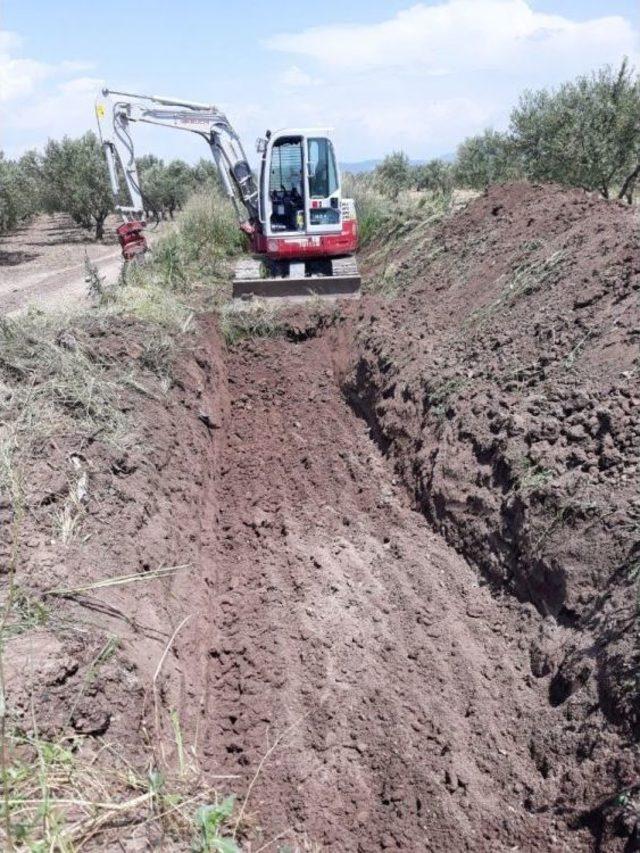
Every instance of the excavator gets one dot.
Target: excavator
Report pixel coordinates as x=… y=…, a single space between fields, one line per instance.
x=302 y=233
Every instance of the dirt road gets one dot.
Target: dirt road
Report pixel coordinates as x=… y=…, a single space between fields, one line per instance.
x=42 y=263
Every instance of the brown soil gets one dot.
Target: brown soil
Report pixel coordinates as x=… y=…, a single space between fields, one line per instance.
x=405 y=533
x=350 y=630
x=504 y=382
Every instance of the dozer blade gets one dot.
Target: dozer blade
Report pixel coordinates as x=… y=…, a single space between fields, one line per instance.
x=343 y=284
x=288 y=288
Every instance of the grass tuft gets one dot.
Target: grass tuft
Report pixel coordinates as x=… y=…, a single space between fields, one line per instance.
x=257 y=319
x=50 y=383
x=60 y=798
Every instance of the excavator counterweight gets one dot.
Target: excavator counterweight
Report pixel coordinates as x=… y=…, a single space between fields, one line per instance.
x=303 y=234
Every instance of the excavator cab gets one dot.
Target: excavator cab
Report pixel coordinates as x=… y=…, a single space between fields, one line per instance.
x=300 y=184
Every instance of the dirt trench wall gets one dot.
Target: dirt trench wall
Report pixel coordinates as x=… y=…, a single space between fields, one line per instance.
x=504 y=381
x=150 y=492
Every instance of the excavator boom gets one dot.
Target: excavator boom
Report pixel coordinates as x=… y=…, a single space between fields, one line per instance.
x=116 y=110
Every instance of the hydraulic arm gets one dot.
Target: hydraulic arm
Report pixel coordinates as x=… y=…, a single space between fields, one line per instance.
x=115 y=111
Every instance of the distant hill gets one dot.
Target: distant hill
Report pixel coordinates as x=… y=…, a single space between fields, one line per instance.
x=361 y=166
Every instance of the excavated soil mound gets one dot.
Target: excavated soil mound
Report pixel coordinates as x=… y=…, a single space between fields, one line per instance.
x=504 y=382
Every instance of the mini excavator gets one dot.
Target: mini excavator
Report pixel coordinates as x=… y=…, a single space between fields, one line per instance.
x=302 y=233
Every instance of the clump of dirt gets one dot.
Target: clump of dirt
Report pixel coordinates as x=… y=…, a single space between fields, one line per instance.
x=504 y=382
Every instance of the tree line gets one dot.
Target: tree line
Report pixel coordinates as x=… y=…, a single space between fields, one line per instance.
x=70 y=176
x=584 y=134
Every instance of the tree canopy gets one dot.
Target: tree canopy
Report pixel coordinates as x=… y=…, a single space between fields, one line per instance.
x=394 y=173
x=75 y=181
x=586 y=133
x=488 y=158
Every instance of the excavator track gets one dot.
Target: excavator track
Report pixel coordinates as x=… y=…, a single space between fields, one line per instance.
x=343 y=283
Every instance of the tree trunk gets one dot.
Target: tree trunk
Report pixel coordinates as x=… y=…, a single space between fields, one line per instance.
x=627 y=187
x=100 y=218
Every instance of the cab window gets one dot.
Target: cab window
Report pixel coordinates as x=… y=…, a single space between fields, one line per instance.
x=323 y=174
x=286 y=187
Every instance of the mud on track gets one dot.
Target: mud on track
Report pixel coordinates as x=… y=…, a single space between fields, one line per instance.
x=392 y=689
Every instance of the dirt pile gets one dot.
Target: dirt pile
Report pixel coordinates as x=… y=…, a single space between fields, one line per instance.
x=504 y=381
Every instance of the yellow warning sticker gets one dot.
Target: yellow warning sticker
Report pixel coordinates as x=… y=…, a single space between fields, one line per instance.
x=100 y=110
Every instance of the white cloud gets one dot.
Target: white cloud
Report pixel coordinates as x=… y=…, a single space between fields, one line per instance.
x=47 y=99
x=18 y=77
x=294 y=77
x=430 y=75
x=462 y=35
x=65 y=109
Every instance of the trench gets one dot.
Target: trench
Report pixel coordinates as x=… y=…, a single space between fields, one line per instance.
x=361 y=683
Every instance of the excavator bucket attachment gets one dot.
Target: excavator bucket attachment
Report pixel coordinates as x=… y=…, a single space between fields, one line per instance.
x=343 y=283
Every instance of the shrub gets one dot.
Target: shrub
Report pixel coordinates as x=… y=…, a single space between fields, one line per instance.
x=209 y=228
x=373 y=209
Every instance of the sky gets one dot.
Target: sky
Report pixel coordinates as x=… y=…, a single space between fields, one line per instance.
x=393 y=75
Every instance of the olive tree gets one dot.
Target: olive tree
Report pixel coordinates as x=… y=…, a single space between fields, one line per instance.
x=165 y=187
x=585 y=134
x=488 y=158
x=206 y=175
x=393 y=174
x=435 y=176
x=20 y=190
x=75 y=181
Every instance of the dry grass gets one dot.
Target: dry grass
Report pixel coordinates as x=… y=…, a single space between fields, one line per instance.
x=256 y=319
x=526 y=278
x=66 y=794
x=51 y=384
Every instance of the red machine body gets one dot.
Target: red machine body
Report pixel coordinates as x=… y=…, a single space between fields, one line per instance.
x=304 y=246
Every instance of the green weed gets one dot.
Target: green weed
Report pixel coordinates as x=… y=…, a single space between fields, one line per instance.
x=59 y=798
x=533 y=475
x=100 y=293
x=211 y=821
